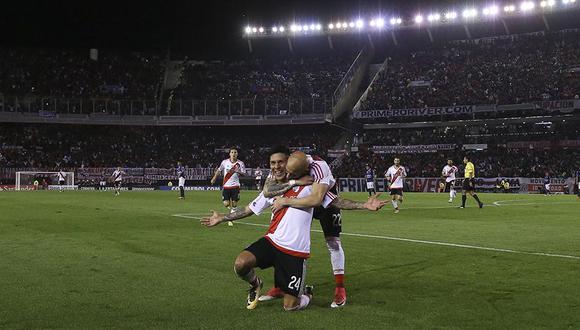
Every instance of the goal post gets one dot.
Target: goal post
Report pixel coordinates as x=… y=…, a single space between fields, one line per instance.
x=25 y=180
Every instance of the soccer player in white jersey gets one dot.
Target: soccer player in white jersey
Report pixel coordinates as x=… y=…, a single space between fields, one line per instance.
x=61 y=180
x=117 y=178
x=258 y=174
x=231 y=169
x=285 y=246
x=395 y=175
x=448 y=174
x=288 y=235
x=330 y=216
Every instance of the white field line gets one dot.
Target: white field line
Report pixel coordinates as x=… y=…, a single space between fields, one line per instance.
x=391 y=238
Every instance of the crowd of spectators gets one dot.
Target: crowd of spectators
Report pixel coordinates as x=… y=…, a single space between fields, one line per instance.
x=510 y=70
x=52 y=146
x=473 y=134
x=69 y=146
x=310 y=77
x=74 y=74
x=493 y=162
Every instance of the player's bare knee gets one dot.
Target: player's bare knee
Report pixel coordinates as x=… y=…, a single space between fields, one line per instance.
x=243 y=264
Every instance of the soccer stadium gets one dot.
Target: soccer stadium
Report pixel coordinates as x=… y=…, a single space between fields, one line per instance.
x=290 y=164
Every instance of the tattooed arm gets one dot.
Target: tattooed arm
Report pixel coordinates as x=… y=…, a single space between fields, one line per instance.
x=273 y=188
x=372 y=204
x=216 y=218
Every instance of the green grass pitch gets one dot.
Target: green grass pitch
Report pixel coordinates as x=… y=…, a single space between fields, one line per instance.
x=92 y=260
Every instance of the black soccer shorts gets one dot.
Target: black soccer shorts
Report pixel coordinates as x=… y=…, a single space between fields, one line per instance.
x=289 y=270
x=231 y=194
x=396 y=191
x=449 y=185
x=468 y=184
x=330 y=220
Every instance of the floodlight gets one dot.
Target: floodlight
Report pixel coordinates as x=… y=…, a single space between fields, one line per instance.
x=330 y=26
x=527 y=6
x=451 y=15
x=490 y=11
x=418 y=19
x=433 y=17
x=248 y=30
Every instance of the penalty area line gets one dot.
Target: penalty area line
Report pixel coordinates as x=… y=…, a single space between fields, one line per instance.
x=418 y=241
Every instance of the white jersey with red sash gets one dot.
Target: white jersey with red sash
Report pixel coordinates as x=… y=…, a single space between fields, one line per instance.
x=321 y=173
x=229 y=169
x=289 y=229
x=449 y=172
x=395 y=175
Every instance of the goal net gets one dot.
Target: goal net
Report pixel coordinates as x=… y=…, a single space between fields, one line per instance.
x=45 y=180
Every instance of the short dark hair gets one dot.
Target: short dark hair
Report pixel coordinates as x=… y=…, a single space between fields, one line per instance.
x=234 y=148
x=467 y=157
x=280 y=150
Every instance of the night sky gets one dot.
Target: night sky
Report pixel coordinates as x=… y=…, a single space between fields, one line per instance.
x=183 y=25
x=205 y=30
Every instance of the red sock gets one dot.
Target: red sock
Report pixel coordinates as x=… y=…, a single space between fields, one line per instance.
x=339 y=278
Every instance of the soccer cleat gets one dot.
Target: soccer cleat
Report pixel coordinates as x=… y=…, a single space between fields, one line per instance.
x=462 y=207
x=181 y=197
x=309 y=291
x=253 y=294
x=339 y=298
x=396 y=211
x=480 y=205
x=231 y=224
x=273 y=293
x=450 y=200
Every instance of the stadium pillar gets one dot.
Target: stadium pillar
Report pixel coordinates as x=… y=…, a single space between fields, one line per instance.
x=505 y=26
x=467 y=33
x=330 y=44
x=394 y=37
x=430 y=36
x=546 y=22
x=250 y=45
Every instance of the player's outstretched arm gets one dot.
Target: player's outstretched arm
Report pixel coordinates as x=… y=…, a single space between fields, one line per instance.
x=372 y=204
x=216 y=218
x=273 y=188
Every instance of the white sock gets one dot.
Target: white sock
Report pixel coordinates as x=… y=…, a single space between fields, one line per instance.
x=453 y=193
x=336 y=255
x=304 y=301
x=395 y=204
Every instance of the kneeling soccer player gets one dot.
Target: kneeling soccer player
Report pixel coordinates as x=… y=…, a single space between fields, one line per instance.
x=286 y=245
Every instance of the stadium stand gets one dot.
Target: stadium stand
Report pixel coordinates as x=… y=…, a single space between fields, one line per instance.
x=495 y=71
